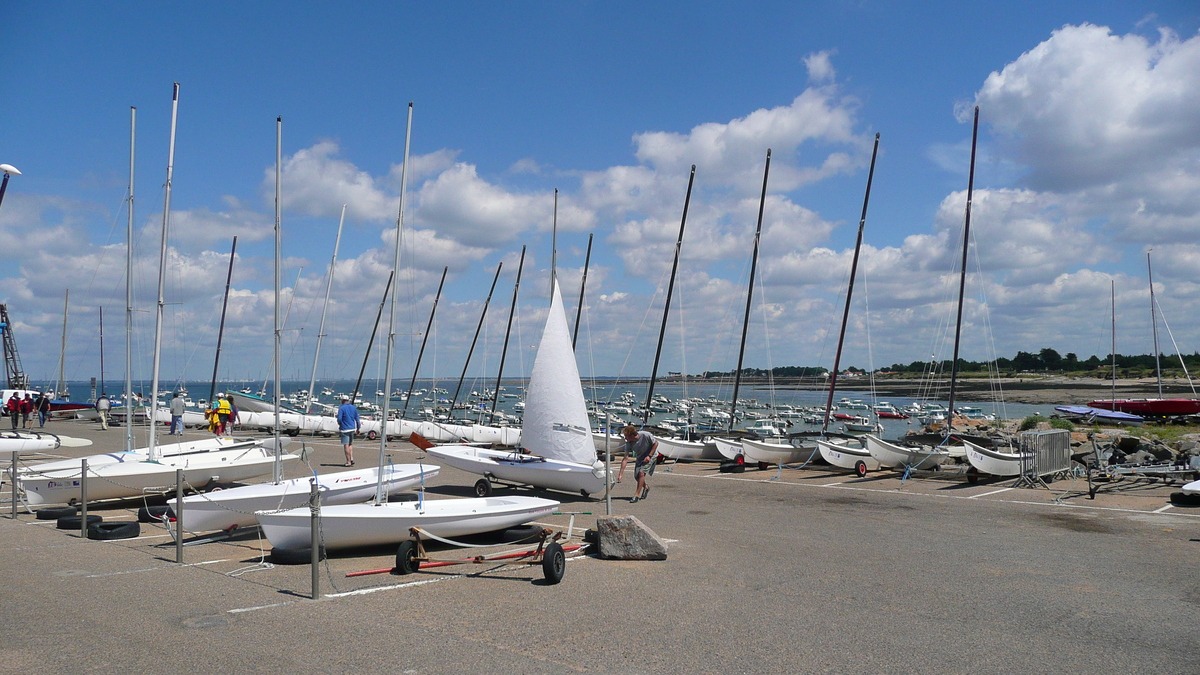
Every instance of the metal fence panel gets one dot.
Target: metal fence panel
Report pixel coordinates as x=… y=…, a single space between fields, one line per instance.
x=1045 y=452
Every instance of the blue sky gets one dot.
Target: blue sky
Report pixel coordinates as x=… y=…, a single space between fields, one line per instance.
x=1088 y=158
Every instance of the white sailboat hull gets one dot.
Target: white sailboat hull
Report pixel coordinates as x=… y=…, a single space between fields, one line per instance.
x=900 y=457
x=16 y=441
x=679 y=449
x=729 y=448
x=554 y=474
x=129 y=479
x=141 y=455
x=776 y=453
x=846 y=456
x=235 y=507
x=992 y=462
x=351 y=525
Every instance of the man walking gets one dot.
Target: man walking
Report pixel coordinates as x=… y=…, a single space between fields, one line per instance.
x=348 y=425
x=42 y=405
x=177 y=407
x=13 y=407
x=103 y=405
x=643 y=448
x=26 y=410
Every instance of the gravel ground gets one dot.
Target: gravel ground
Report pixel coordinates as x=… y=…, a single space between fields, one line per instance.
x=815 y=572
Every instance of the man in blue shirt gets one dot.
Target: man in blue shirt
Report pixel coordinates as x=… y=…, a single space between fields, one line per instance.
x=642 y=447
x=348 y=425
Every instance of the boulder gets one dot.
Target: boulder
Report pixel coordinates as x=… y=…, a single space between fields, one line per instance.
x=627 y=538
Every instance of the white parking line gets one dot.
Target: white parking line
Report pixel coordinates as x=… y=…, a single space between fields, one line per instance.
x=151 y=569
x=1164 y=508
x=993 y=492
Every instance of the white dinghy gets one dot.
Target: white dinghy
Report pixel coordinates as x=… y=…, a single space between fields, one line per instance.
x=133 y=478
x=353 y=525
x=730 y=448
x=19 y=441
x=143 y=454
x=235 y=507
x=676 y=448
x=905 y=458
x=994 y=462
x=846 y=456
x=556 y=436
x=776 y=453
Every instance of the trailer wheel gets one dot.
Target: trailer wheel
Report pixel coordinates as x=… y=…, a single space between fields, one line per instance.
x=483 y=488
x=554 y=563
x=860 y=468
x=585 y=493
x=972 y=475
x=763 y=466
x=372 y=436
x=406 y=555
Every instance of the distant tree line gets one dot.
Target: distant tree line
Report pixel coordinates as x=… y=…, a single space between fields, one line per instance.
x=1044 y=361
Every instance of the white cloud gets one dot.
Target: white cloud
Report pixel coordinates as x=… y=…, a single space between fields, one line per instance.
x=820 y=68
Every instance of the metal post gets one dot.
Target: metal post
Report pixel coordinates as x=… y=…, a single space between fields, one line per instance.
x=83 y=498
x=179 y=516
x=13 y=475
x=607 y=464
x=314 y=497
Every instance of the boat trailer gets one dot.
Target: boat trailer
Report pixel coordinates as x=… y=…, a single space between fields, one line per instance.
x=412 y=557
x=1168 y=471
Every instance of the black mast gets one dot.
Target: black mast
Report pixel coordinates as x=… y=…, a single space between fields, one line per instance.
x=508 y=331
x=424 y=340
x=379 y=315
x=212 y=390
x=662 y=331
x=737 y=377
x=479 y=327
x=862 y=221
x=962 y=280
x=587 y=260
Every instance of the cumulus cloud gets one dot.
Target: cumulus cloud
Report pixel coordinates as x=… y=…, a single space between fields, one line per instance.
x=820 y=68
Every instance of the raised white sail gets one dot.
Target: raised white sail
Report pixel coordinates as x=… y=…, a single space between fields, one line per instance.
x=556 y=424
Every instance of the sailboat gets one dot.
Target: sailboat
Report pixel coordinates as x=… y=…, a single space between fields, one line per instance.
x=994 y=462
x=383 y=522
x=556 y=437
x=840 y=453
x=130 y=474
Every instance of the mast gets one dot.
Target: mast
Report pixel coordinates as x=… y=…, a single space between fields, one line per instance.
x=554 y=246
x=312 y=381
x=962 y=279
x=62 y=354
x=737 y=377
x=587 y=260
x=152 y=449
x=478 y=327
x=1112 y=289
x=129 y=290
x=1154 y=324
x=278 y=470
x=102 y=390
x=380 y=498
x=212 y=390
x=662 y=331
x=862 y=221
x=424 y=340
x=370 y=343
x=507 y=332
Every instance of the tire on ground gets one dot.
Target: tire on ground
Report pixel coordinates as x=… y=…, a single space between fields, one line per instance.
x=75 y=522
x=126 y=529
x=295 y=556
x=154 y=514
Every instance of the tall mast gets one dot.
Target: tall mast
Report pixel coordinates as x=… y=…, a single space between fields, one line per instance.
x=554 y=246
x=862 y=221
x=424 y=340
x=1112 y=290
x=662 y=331
x=507 y=332
x=1154 y=324
x=278 y=473
x=312 y=381
x=102 y=390
x=212 y=389
x=962 y=279
x=129 y=290
x=587 y=260
x=380 y=498
x=737 y=376
x=152 y=448
x=62 y=354
x=478 y=327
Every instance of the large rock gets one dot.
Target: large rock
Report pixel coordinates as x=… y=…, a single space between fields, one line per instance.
x=627 y=538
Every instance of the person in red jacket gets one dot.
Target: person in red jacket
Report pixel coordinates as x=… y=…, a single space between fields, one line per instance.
x=13 y=406
x=26 y=410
